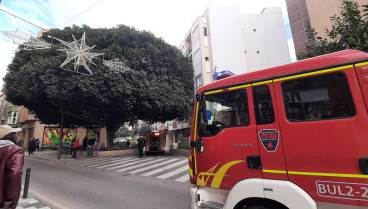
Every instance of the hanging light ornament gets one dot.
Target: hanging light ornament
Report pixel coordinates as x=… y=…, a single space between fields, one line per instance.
x=79 y=52
x=116 y=65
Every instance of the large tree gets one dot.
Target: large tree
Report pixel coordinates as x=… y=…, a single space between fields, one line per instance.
x=349 y=31
x=158 y=87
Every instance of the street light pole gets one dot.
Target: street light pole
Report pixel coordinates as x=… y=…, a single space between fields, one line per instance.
x=61 y=134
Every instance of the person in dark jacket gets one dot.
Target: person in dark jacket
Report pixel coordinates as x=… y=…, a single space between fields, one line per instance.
x=71 y=147
x=84 y=145
x=31 y=146
x=11 y=165
x=91 y=144
x=141 y=142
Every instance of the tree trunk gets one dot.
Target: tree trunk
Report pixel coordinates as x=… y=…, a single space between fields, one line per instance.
x=110 y=132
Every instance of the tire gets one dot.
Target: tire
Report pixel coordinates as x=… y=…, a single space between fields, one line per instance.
x=258 y=207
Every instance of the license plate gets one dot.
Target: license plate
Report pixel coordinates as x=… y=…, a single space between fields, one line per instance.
x=342 y=190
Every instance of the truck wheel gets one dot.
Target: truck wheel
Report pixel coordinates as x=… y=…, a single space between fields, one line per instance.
x=258 y=207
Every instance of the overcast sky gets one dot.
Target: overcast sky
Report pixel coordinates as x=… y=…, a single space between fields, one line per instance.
x=169 y=19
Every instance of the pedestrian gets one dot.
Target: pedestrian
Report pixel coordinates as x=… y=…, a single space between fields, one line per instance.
x=75 y=147
x=37 y=145
x=141 y=142
x=31 y=146
x=127 y=143
x=11 y=165
x=84 y=145
x=91 y=144
x=71 y=147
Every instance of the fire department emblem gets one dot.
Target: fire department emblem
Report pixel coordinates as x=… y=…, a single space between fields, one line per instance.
x=269 y=139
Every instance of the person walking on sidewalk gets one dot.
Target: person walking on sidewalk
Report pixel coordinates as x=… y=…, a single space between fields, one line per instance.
x=11 y=165
x=31 y=146
x=84 y=145
x=37 y=145
x=75 y=147
x=91 y=144
x=71 y=147
x=140 y=141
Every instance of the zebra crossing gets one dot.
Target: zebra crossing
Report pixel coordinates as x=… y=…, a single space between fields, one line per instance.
x=160 y=167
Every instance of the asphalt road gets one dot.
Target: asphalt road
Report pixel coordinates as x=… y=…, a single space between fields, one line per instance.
x=60 y=185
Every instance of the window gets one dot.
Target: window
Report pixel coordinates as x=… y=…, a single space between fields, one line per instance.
x=12 y=117
x=205 y=31
x=207 y=59
x=224 y=110
x=320 y=97
x=263 y=105
x=198 y=81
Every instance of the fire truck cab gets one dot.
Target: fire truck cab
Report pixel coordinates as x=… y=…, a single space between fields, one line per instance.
x=155 y=142
x=288 y=137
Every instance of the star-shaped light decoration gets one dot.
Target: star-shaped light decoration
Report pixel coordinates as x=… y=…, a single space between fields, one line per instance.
x=18 y=36
x=79 y=52
x=36 y=43
x=116 y=65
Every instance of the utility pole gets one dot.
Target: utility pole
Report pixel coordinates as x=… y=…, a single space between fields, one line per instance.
x=61 y=134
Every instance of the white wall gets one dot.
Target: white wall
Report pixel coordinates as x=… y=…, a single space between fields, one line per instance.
x=226 y=39
x=266 y=34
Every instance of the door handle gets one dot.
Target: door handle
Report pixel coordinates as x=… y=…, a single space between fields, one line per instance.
x=254 y=162
x=363 y=165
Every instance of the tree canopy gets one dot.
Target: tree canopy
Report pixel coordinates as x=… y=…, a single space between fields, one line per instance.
x=349 y=31
x=158 y=88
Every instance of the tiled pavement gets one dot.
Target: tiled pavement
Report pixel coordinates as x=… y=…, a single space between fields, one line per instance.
x=30 y=203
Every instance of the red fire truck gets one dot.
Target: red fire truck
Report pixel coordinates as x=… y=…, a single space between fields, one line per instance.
x=155 y=142
x=288 y=137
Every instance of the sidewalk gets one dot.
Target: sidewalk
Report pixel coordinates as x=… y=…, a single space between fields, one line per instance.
x=30 y=203
x=52 y=155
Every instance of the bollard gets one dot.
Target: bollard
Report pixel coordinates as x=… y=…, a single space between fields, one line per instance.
x=26 y=183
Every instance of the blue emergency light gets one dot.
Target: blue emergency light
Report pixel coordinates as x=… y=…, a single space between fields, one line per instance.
x=222 y=74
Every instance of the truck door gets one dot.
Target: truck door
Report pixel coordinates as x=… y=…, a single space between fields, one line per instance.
x=323 y=120
x=268 y=132
x=226 y=126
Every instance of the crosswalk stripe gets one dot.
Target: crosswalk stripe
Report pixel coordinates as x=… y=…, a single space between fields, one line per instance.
x=91 y=160
x=117 y=163
x=124 y=165
x=172 y=173
x=141 y=164
x=104 y=162
x=183 y=178
x=164 y=168
x=72 y=161
x=152 y=166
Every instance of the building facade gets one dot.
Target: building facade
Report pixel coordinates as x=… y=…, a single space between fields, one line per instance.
x=317 y=13
x=223 y=39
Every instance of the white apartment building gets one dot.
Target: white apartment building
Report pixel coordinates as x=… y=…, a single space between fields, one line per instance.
x=223 y=39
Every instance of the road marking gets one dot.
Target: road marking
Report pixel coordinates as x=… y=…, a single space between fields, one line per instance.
x=90 y=161
x=173 y=173
x=183 y=178
x=131 y=163
x=72 y=161
x=110 y=161
x=95 y=161
x=117 y=163
x=141 y=164
x=152 y=166
x=164 y=168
